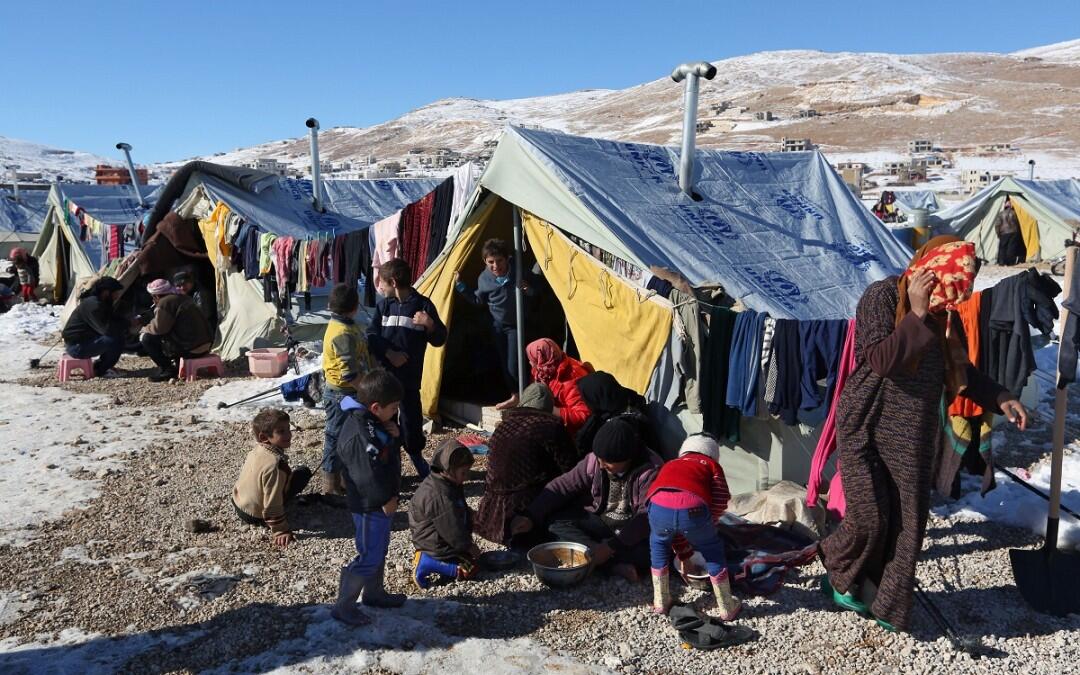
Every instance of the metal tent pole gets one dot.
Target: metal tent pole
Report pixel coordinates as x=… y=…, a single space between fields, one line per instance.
x=519 y=300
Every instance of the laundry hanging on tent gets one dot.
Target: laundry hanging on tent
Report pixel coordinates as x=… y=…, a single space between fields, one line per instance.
x=440 y=220
x=744 y=363
x=415 y=232
x=820 y=344
x=386 y=241
x=826 y=444
x=786 y=367
x=718 y=418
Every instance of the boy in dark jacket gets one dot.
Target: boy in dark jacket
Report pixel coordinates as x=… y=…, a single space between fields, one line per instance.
x=94 y=329
x=440 y=521
x=405 y=323
x=495 y=289
x=368 y=448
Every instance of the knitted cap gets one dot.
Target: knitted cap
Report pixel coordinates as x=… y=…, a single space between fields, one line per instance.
x=702 y=444
x=617 y=441
x=161 y=287
x=537 y=396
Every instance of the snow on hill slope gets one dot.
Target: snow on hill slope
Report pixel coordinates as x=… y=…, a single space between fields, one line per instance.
x=865 y=102
x=50 y=161
x=1066 y=52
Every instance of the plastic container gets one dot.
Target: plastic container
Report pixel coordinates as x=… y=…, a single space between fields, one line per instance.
x=268 y=362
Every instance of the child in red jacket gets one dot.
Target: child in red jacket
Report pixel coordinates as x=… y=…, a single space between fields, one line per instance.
x=687 y=498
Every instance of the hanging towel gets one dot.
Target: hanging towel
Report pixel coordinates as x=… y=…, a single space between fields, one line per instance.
x=386 y=242
x=764 y=394
x=415 y=233
x=301 y=268
x=788 y=363
x=821 y=343
x=745 y=362
x=337 y=258
x=719 y=419
x=440 y=220
x=281 y=248
x=827 y=441
x=464 y=183
x=251 y=253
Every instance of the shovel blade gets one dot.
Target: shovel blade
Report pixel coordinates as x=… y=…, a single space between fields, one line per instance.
x=1048 y=580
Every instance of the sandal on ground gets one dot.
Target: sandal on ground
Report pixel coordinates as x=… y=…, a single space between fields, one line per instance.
x=845 y=601
x=713 y=634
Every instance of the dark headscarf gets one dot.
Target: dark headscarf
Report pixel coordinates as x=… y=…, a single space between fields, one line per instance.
x=606 y=399
x=617 y=441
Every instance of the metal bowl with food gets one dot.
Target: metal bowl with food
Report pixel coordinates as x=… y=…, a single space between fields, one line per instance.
x=561 y=563
x=693 y=570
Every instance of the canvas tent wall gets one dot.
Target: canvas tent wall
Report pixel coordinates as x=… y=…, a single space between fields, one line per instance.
x=779 y=231
x=21 y=219
x=909 y=200
x=65 y=255
x=1048 y=211
x=279 y=206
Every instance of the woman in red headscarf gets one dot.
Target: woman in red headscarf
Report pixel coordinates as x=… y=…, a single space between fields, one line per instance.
x=907 y=361
x=560 y=373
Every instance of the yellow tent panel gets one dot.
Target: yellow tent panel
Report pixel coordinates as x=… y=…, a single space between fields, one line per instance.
x=438 y=285
x=615 y=329
x=1029 y=229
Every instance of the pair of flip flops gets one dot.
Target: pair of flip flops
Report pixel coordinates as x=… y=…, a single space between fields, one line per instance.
x=706 y=633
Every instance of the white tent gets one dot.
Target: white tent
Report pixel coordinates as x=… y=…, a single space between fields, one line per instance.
x=1048 y=211
x=74 y=239
x=779 y=231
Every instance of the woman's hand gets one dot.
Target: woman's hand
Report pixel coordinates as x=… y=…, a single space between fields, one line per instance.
x=919 y=288
x=1016 y=413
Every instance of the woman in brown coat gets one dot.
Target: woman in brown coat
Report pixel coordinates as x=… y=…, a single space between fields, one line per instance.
x=889 y=424
x=529 y=448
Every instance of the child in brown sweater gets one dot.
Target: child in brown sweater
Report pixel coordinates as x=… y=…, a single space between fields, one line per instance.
x=266 y=482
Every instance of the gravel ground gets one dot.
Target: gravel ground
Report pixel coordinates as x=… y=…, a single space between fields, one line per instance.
x=126 y=565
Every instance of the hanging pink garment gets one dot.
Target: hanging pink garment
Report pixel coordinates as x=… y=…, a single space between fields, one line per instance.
x=827 y=442
x=282 y=250
x=386 y=243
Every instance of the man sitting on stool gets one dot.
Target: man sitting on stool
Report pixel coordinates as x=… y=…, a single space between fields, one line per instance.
x=178 y=330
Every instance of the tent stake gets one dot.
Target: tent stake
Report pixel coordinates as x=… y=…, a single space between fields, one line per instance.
x=519 y=306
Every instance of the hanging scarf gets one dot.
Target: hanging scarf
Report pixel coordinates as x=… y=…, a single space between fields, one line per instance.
x=952 y=260
x=545 y=357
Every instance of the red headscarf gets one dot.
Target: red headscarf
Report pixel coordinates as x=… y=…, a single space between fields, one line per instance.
x=952 y=260
x=544 y=357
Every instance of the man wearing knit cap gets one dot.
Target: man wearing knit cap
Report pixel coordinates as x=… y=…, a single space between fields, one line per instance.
x=602 y=502
x=686 y=500
x=178 y=330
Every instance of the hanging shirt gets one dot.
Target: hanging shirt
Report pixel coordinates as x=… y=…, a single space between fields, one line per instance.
x=266 y=258
x=386 y=242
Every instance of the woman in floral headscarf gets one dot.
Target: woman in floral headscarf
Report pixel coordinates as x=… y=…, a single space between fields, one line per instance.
x=907 y=360
x=550 y=366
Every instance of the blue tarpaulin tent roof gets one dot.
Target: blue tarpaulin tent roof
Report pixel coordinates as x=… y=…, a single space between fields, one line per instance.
x=25 y=215
x=906 y=200
x=780 y=231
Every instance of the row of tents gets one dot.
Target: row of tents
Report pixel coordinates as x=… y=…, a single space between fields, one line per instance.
x=777 y=232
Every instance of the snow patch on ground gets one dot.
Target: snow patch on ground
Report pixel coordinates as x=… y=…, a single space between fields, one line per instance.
x=239 y=390
x=21 y=331
x=400 y=641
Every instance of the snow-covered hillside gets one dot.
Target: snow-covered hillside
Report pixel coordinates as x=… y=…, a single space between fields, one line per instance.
x=51 y=162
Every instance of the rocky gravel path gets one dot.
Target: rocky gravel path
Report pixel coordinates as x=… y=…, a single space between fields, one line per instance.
x=128 y=575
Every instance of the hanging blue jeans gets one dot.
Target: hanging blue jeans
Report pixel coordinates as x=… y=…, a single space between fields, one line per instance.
x=696 y=525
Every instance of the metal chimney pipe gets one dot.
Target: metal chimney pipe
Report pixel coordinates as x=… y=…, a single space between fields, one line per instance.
x=1031 y=169
x=15 y=181
x=316 y=180
x=131 y=171
x=690 y=72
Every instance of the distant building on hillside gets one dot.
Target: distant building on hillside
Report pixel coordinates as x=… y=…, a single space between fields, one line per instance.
x=703 y=125
x=764 y=116
x=994 y=148
x=795 y=144
x=117 y=175
x=920 y=146
x=269 y=165
x=808 y=113
x=862 y=166
x=853 y=178
x=894 y=168
x=976 y=179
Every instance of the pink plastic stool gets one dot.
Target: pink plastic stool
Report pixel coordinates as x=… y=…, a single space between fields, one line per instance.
x=70 y=365
x=190 y=368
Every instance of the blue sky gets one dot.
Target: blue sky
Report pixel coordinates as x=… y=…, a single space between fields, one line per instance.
x=182 y=79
